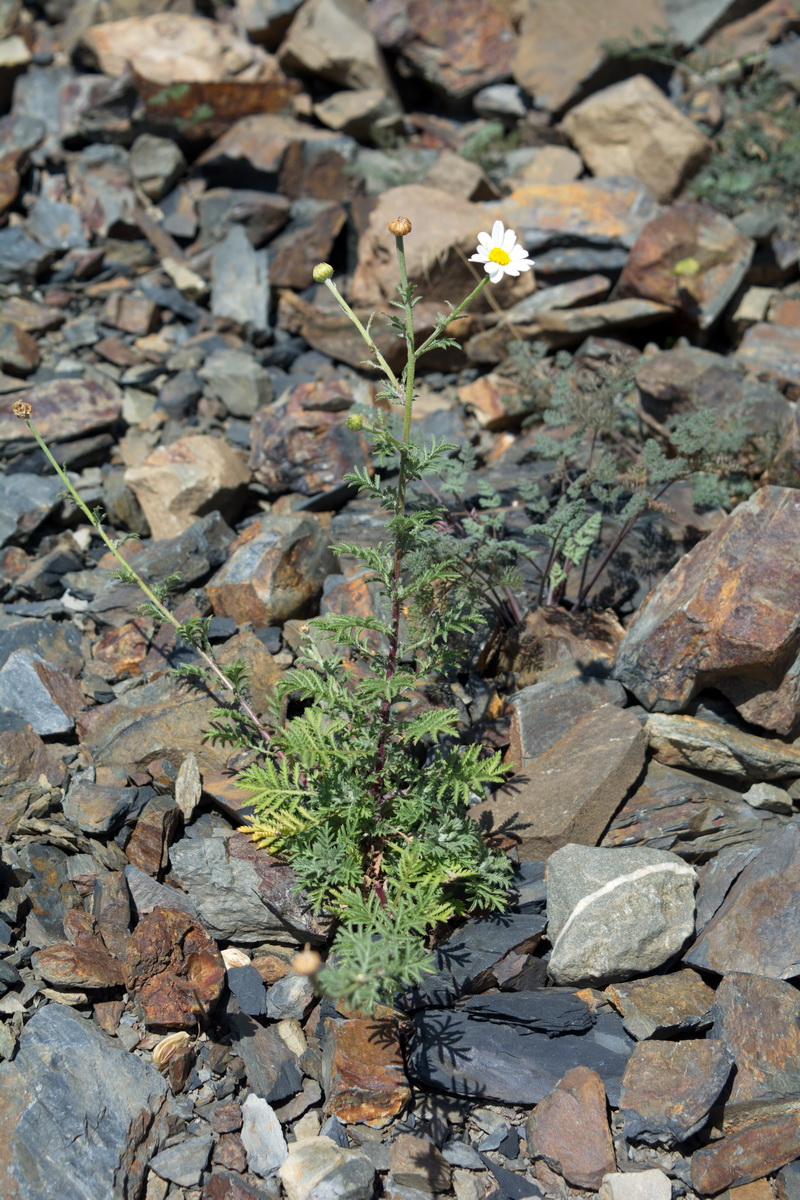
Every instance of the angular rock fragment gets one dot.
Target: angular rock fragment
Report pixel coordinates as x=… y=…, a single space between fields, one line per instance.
x=262 y=1137
x=681 y=741
x=571 y=791
x=758 y=1020
x=178 y=483
x=44 y=697
x=275 y=570
x=726 y=617
x=317 y=1167
x=416 y=1163
x=692 y=258
x=757 y=927
x=240 y=282
x=631 y=128
x=331 y=39
x=362 y=1071
x=668 y=1088
x=174 y=968
x=772 y=350
x=663 y=1004
x=272 y=1069
x=615 y=914
x=569 y=1130
x=749 y=1154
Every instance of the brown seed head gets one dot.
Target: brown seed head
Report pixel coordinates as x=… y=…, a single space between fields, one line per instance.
x=306 y=962
x=21 y=409
x=400 y=226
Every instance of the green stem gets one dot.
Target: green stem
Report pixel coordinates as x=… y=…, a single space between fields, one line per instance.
x=132 y=575
x=441 y=326
x=387 y=370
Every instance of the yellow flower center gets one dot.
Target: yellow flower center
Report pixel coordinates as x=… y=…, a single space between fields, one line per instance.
x=499 y=256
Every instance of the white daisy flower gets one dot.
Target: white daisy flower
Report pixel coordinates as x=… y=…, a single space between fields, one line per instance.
x=500 y=253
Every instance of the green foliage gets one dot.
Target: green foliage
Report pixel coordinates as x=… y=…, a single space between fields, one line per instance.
x=488 y=144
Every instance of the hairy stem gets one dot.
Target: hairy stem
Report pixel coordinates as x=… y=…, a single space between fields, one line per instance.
x=134 y=577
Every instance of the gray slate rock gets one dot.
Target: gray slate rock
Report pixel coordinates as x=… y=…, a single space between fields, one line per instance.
x=185 y=1162
x=548 y=1010
x=317 y=1169
x=247 y=986
x=98 y=808
x=22 y=260
x=225 y=892
x=79 y=1117
x=25 y=501
x=291 y=996
x=240 y=288
x=262 y=1137
x=453 y=1052
x=616 y=914
x=543 y=712
x=272 y=1069
x=147 y=894
x=23 y=692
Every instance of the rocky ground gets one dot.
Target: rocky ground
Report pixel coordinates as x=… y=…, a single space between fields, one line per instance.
x=169 y=176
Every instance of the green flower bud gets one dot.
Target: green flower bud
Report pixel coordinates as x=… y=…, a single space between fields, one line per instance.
x=355 y=422
x=321 y=272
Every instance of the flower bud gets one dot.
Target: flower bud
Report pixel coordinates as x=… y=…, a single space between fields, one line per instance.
x=355 y=422
x=321 y=272
x=400 y=226
x=21 y=409
x=306 y=961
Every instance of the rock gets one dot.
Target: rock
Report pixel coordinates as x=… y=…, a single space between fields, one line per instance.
x=262 y=1137
x=65 y=1072
x=174 y=968
x=148 y=846
x=170 y=47
x=564 y=327
x=694 y=630
x=47 y=890
x=362 y=1071
x=569 y=1130
x=65 y=409
x=631 y=128
x=19 y=353
x=562 y=48
x=750 y=1154
x=25 y=501
x=588 y=225
x=155 y=721
x=132 y=313
x=691 y=22
x=764 y=1049
x=273 y=148
x=691 y=258
x=616 y=914
x=22 y=260
x=307 y=240
x=247 y=986
x=688 y=814
x=97 y=808
x=442 y=226
x=266 y=21
x=416 y=1163
x=772 y=350
x=433 y=42
x=85 y=965
x=225 y=891
x=290 y=997
x=178 y=483
x=184 y=1163
x=302 y=444
x=240 y=382
x=277 y=887
x=511 y=1063
x=756 y=928
x=663 y=1004
x=331 y=39
x=569 y=792
x=355 y=112
x=271 y=1067
x=707 y=746
x=769 y=797
x=275 y=570
x=156 y=163
x=636 y=1185
x=44 y=697
x=542 y=164
x=240 y=282
x=669 y=1087
x=111 y=909
x=317 y=1169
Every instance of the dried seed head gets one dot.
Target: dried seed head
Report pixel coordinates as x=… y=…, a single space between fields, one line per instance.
x=21 y=409
x=169 y=1046
x=306 y=962
x=400 y=226
x=321 y=272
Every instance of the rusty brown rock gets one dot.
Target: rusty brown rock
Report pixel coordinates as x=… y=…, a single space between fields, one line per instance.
x=155 y=830
x=747 y=1155
x=302 y=443
x=262 y=142
x=87 y=964
x=569 y=1130
x=692 y=258
x=753 y=33
x=363 y=1075
x=757 y=927
x=65 y=409
x=681 y=741
x=414 y=1162
x=663 y=1004
x=562 y=46
x=766 y=1047
x=457 y=53
x=668 y=1088
x=134 y=314
x=571 y=791
x=124 y=648
x=295 y=253
x=19 y=353
x=631 y=128
x=111 y=909
x=174 y=968
x=773 y=350
x=275 y=571
x=726 y=616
